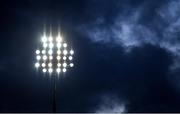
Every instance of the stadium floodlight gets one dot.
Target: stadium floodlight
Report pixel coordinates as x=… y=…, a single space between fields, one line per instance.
x=48 y=58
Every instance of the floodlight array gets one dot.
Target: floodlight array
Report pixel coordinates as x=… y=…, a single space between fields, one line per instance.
x=54 y=56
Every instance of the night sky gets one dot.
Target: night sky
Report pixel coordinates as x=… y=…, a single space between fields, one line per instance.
x=127 y=55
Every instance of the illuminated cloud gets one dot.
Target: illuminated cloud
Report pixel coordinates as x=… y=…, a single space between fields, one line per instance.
x=128 y=30
x=111 y=104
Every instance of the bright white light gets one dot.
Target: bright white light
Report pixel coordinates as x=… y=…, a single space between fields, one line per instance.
x=59 y=64
x=50 y=52
x=65 y=52
x=50 y=57
x=50 y=39
x=44 y=70
x=44 y=57
x=45 y=45
x=58 y=70
x=44 y=39
x=51 y=45
x=37 y=52
x=64 y=64
x=59 y=39
x=43 y=51
x=70 y=58
x=50 y=64
x=64 y=58
x=58 y=45
x=71 y=64
x=38 y=57
x=58 y=52
x=64 y=69
x=64 y=45
x=37 y=65
x=58 y=57
x=50 y=70
x=71 y=52
x=43 y=64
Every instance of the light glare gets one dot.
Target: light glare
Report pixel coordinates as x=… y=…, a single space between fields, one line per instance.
x=50 y=70
x=43 y=51
x=50 y=39
x=58 y=70
x=70 y=58
x=58 y=64
x=44 y=70
x=38 y=57
x=50 y=52
x=37 y=52
x=50 y=64
x=50 y=57
x=44 y=39
x=64 y=69
x=58 y=52
x=59 y=39
x=71 y=64
x=58 y=57
x=58 y=45
x=64 y=64
x=43 y=64
x=64 y=58
x=51 y=45
x=64 y=45
x=44 y=57
x=65 y=52
x=71 y=52
x=37 y=65
x=45 y=45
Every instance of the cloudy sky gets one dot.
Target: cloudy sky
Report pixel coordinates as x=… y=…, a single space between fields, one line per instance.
x=127 y=55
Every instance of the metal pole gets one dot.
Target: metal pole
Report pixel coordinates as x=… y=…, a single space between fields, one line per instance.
x=54 y=94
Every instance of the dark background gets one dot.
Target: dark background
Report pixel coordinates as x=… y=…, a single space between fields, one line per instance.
x=126 y=55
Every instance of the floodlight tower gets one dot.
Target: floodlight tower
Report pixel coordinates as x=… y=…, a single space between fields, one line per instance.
x=54 y=57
